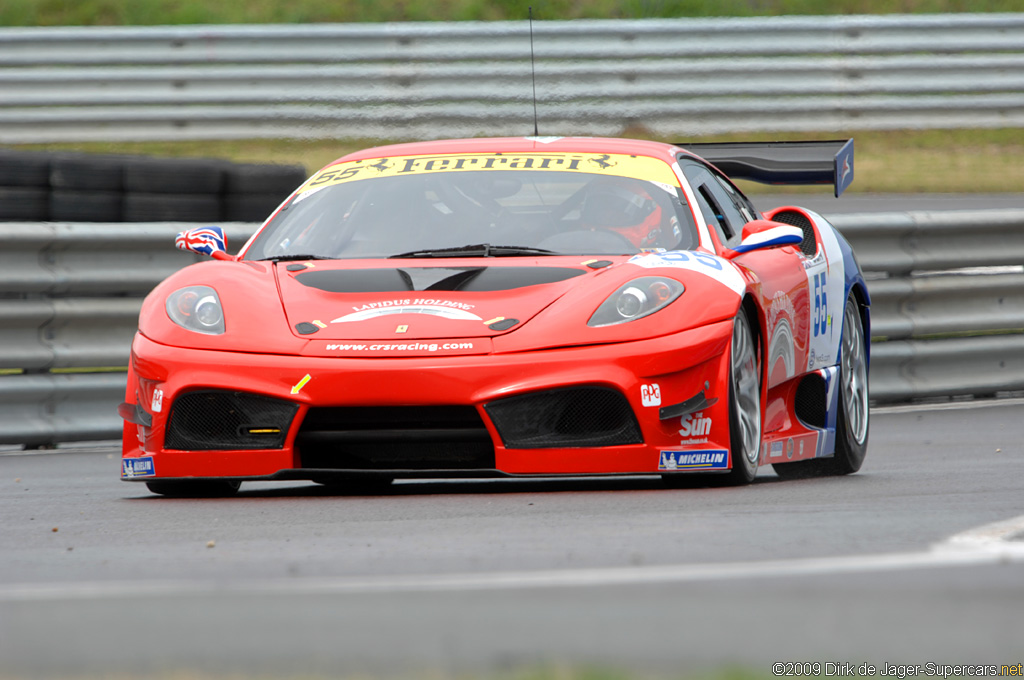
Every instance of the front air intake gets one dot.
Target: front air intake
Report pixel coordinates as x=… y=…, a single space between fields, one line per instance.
x=395 y=438
x=219 y=420
x=565 y=418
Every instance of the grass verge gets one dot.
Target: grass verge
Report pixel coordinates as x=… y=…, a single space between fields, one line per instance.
x=152 y=12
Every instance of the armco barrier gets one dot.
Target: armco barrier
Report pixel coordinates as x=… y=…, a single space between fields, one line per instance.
x=947 y=313
x=70 y=293
x=915 y=369
x=691 y=76
x=900 y=243
x=42 y=409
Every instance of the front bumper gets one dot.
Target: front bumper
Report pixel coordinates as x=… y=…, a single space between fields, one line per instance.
x=649 y=375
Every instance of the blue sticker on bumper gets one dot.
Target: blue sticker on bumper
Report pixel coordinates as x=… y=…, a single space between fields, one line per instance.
x=137 y=467
x=717 y=459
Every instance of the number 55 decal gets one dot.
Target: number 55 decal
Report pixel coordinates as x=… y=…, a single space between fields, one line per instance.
x=820 y=318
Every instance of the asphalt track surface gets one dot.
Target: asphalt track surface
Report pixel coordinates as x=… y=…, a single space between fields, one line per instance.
x=914 y=560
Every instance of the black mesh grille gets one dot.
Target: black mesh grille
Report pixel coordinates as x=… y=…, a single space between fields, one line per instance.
x=810 y=404
x=220 y=420
x=569 y=417
x=395 y=438
x=809 y=246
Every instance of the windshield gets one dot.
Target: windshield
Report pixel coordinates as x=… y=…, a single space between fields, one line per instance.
x=476 y=213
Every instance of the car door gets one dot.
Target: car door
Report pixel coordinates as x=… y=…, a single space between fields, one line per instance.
x=782 y=283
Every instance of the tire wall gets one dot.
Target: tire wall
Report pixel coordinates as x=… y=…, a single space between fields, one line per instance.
x=78 y=187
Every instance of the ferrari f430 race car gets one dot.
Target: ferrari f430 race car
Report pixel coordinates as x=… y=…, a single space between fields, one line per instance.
x=512 y=307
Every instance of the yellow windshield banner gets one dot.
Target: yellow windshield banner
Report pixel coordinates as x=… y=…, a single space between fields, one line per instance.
x=619 y=165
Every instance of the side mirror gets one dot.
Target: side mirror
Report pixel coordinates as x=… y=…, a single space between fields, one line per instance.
x=206 y=241
x=760 y=234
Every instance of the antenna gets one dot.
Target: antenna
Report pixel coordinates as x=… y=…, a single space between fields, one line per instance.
x=533 y=76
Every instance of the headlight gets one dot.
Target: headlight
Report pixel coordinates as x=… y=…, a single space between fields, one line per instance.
x=636 y=299
x=196 y=308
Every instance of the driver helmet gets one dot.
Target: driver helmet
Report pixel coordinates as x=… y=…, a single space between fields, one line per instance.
x=623 y=206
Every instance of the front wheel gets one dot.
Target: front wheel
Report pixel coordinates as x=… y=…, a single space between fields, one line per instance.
x=744 y=414
x=744 y=403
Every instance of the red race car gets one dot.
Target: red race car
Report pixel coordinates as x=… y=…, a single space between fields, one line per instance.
x=512 y=307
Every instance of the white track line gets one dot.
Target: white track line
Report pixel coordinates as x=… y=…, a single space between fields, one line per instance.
x=989 y=544
x=966 y=405
x=1002 y=537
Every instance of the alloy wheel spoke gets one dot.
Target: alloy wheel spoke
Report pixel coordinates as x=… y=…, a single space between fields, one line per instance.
x=854 y=375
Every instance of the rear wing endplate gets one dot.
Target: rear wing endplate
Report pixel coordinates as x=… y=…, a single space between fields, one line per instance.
x=827 y=162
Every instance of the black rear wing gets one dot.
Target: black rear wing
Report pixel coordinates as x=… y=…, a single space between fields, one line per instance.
x=828 y=162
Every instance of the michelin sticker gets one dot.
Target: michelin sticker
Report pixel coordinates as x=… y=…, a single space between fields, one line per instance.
x=694 y=460
x=709 y=265
x=137 y=467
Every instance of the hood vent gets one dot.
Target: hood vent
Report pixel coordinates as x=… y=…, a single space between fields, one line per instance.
x=475 y=279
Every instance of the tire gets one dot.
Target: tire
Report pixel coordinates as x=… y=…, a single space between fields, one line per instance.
x=853 y=419
x=68 y=205
x=251 y=207
x=744 y=403
x=174 y=176
x=171 y=208
x=24 y=204
x=198 y=488
x=855 y=416
x=87 y=172
x=24 y=168
x=263 y=178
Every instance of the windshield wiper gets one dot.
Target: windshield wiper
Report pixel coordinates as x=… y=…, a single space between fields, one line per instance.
x=477 y=250
x=292 y=258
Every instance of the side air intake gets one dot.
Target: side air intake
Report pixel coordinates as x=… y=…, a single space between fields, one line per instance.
x=567 y=417
x=811 y=402
x=219 y=420
x=809 y=245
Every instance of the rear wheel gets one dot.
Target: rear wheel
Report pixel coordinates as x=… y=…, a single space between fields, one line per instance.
x=196 y=488
x=853 y=418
